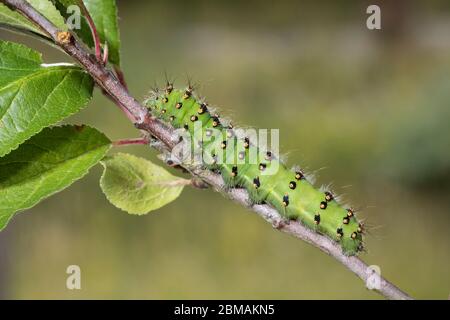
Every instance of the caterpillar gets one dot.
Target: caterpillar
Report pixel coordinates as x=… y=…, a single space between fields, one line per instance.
x=244 y=164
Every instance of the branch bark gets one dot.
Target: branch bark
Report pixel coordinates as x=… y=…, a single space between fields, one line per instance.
x=141 y=118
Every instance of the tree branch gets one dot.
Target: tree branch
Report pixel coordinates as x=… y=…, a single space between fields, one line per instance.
x=144 y=121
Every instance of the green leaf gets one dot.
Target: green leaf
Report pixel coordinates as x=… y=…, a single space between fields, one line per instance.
x=34 y=96
x=104 y=14
x=46 y=164
x=15 y=19
x=45 y=7
x=138 y=186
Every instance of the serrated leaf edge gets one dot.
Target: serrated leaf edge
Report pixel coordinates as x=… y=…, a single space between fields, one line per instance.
x=75 y=68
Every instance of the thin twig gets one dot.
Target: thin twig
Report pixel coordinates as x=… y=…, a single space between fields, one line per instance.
x=127 y=142
x=144 y=121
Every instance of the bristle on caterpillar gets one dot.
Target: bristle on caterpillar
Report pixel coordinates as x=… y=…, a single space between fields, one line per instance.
x=290 y=192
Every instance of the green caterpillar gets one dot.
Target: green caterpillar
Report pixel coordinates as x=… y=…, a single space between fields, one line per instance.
x=288 y=191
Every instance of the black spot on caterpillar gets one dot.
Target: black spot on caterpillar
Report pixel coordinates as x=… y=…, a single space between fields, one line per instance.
x=289 y=192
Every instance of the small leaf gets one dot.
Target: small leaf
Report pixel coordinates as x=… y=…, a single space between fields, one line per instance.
x=45 y=7
x=46 y=164
x=138 y=186
x=104 y=14
x=34 y=96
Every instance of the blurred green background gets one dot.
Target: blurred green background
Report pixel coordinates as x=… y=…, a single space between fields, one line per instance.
x=368 y=111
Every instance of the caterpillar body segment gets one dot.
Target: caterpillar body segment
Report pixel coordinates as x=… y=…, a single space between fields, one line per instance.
x=242 y=164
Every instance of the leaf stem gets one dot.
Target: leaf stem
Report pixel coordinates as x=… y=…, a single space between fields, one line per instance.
x=193 y=182
x=145 y=122
x=127 y=142
x=95 y=36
